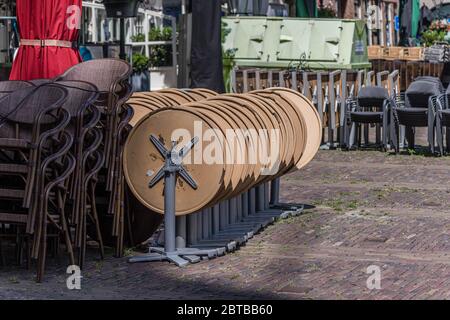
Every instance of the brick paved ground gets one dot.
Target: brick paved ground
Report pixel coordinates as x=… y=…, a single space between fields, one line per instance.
x=371 y=208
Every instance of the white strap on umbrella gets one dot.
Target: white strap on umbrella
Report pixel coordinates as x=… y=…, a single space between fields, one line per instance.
x=46 y=43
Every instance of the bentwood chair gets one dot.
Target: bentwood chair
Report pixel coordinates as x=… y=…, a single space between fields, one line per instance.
x=111 y=77
x=34 y=160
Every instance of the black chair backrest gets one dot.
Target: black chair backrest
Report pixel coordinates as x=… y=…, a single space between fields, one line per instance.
x=6 y=87
x=80 y=95
x=20 y=109
x=419 y=92
x=38 y=82
x=431 y=79
x=372 y=96
x=103 y=73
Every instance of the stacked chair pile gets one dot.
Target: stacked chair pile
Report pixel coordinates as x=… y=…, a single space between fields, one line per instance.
x=61 y=145
x=411 y=109
x=111 y=77
x=425 y=104
x=439 y=110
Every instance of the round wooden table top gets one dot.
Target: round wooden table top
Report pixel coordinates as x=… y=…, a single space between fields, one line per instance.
x=178 y=95
x=142 y=161
x=226 y=123
x=312 y=121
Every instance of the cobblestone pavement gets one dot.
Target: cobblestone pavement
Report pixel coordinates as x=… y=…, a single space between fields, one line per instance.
x=370 y=208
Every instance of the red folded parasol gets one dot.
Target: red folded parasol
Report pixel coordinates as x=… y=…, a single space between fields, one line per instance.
x=41 y=23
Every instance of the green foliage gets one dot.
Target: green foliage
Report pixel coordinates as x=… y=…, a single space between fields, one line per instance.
x=429 y=37
x=160 y=55
x=326 y=12
x=140 y=63
x=140 y=37
x=157 y=34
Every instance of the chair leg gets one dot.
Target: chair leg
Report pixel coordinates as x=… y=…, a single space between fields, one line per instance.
x=28 y=252
x=42 y=256
x=447 y=140
x=97 y=222
x=19 y=248
x=394 y=135
x=366 y=134
x=2 y=255
x=431 y=132
x=386 y=129
x=410 y=137
x=358 y=135
x=345 y=134
x=439 y=136
x=66 y=231
x=401 y=137
x=352 y=134
x=378 y=134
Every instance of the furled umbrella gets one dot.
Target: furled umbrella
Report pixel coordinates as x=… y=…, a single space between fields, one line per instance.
x=48 y=34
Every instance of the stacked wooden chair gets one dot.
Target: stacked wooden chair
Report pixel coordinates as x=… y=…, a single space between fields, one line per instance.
x=81 y=204
x=111 y=77
x=35 y=164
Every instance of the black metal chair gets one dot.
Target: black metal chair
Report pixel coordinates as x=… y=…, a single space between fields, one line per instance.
x=369 y=107
x=439 y=106
x=411 y=109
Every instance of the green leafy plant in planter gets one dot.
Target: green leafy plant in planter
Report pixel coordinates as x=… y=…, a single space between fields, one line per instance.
x=141 y=63
x=429 y=37
x=140 y=37
x=160 y=55
x=141 y=76
x=227 y=58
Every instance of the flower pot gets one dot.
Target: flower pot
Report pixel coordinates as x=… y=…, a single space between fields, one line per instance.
x=141 y=81
x=163 y=77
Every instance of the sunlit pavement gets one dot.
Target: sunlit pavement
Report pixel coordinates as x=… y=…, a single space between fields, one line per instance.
x=371 y=209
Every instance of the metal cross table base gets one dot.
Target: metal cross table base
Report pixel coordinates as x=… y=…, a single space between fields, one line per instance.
x=214 y=231
x=237 y=234
x=181 y=257
x=172 y=168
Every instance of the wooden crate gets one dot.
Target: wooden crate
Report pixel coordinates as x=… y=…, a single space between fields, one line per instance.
x=392 y=53
x=412 y=54
x=374 y=52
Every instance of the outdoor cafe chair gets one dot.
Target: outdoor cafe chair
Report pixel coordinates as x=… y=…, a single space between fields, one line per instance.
x=85 y=117
x=33 y=145
x=439 y=105
x=111 y=77
x=369 y=107
x=411 y=109
x=6 y=87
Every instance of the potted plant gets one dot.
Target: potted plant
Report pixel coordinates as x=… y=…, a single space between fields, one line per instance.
x=141 y=75
x=162 y=72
